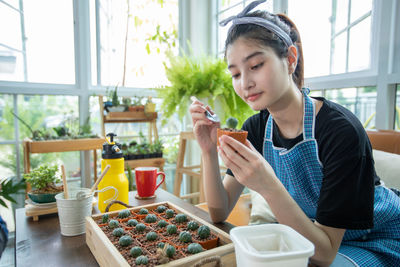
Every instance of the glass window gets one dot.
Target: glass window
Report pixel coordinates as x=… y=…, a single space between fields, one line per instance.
x=361 y=101
x=397 y=117
x=316 y=51
x=8 y=161
x=6 y=118
x=43 y=112
x=133 y=56
x=343 y=31
x=38 y=45
x=229 y=8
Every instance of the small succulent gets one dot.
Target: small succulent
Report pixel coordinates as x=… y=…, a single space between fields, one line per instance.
x=118 y=232
x=203 y=231
x=124 y=214
x=104 y=218
x=140 y=227
x=125 y=240
x=185 y=237
x=170 y=251
x=113 y=224
x=143 y=211
x=135 y=252
x=150 y=218
x=151 y=236
x=195 y=248
x=132 y=222
x=169 y=213
x=232 y=122
x=162 y=223
x=142 y=260
x=161 y=245
x=192 y=225
x=161 y=208
x=171 y=229
x=180 y=218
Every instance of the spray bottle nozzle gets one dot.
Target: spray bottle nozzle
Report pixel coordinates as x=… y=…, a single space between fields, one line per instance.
x=111 y=135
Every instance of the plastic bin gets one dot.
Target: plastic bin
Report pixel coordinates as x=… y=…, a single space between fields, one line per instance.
x=270 y=245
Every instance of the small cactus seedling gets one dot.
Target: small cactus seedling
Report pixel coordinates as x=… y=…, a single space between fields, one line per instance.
x=151 y=236
x=169 y=213
x=140 y=227
x=150 y=218
x=132 y=222
x=185 y=237
x=125 y=240
x=170 y=251
x=104 y=218
x=192 y=225
x=232 y=122
x=142 y=260
x=180 y=218
x=135 y=252
x=143 y=211
x=113 y=224
x=118 y=232
x=161 y=208
x=124 y=214
x=161 y=245
x=195 y=248
x=162 y=223
x=203 y=231
x=171 y=229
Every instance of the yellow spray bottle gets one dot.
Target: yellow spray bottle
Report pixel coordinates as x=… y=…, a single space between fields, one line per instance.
x=115 y=177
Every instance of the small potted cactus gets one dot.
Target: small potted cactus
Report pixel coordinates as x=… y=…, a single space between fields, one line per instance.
x=231 y=130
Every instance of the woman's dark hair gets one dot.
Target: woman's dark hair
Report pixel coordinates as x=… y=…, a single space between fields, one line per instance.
x=267 y=38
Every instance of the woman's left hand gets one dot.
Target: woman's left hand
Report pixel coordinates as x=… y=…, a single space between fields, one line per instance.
x=248 y=166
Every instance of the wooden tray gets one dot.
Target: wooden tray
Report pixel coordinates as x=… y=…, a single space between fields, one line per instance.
x=107 y=254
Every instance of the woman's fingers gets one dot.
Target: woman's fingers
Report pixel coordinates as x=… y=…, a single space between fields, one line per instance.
x=245 y=151
x=228 y=163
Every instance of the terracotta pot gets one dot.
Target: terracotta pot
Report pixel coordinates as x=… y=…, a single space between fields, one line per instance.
x=208 y=244
x=239 y=136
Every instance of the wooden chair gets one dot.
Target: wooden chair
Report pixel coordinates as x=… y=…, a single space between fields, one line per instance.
x=195 y=171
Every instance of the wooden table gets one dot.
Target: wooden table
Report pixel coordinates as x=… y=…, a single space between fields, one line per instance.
x=41 y=244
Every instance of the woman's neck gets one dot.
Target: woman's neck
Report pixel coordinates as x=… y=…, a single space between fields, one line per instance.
x=288 y=113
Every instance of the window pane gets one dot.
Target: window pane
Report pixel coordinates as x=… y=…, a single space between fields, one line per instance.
x=397 y=117
x=49 y=43
x=359 y=46
x=7 y=161
x=361 y=101
x=342 y=11
x=6 y=118
x=43 y=112
x=11 y=67
x=144 y=58
x=316 y=52
x=339 y=54
x=359 y=8
x=227 y=3
x=317 y=93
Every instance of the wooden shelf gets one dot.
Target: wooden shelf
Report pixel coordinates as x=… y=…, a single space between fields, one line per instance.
x=50 y=146
x=130 y=116
x=150 y=162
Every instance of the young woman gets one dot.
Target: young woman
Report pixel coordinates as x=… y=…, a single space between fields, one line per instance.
x=309 y=158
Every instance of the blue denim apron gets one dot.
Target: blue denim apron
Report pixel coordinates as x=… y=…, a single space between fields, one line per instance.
x=300 y=171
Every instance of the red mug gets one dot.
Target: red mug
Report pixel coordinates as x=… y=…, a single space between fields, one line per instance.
x=146 y=180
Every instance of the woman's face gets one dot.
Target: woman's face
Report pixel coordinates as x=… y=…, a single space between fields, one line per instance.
x=259 y=76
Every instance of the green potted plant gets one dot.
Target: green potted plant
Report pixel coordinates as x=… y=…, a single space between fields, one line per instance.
x=43 y=180
x=137 y=105
x=204 y=77
x=116 y=105
x=9 y=187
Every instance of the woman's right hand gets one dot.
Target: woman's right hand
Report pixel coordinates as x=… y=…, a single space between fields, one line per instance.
x=204 y=130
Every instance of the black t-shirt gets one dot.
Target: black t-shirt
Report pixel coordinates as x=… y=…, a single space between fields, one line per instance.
x=347 y=192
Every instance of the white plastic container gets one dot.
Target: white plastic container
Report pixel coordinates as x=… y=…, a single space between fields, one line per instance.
x=272 y=245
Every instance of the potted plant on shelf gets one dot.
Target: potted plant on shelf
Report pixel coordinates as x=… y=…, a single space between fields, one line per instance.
x=43 y=180
x=207 y=79
x=116 y=105
x=150 y=106
x=137 y=105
